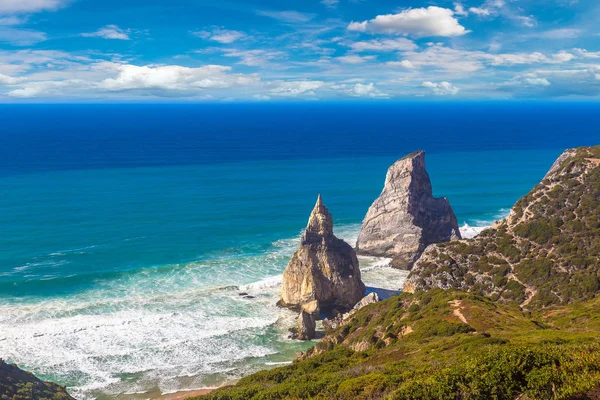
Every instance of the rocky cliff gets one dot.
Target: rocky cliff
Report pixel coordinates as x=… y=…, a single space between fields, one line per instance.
x=16 y=384
x=323 y=274
x=547 y=251
x=406 y=218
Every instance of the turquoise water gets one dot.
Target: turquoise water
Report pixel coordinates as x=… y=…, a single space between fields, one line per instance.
x=128 y=232
x=127 y=280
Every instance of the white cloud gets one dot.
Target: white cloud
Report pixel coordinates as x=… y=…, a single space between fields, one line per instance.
x=295 y=88
x=563 y=56
x=175 y=78
x=9 y=80
x=417 y=22
x=330 y=3
x=254 y=58
x=583 y=53
x=528 y=21
x=360 y=90
x=403 y=64
x=29 y=6
x=556 y=34
x=438 y=56
x=482 y=12
x=442 y=88
x=527 y=80
x=20 y=37
x=290 y=17
x=459 y=9
x=110 y=32
x=354 y=59
x=224 y=36
x=399 y=44
x=555 y=83
x=261 y=97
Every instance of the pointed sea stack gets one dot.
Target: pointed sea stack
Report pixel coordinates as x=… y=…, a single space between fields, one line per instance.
x=406 y=218
x=323 y=274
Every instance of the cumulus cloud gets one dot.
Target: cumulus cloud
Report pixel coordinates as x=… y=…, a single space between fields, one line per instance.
x=417 y=22
x=110 y=32
x=175 y=78
x=441 y=88
x=527 y=80
x=402 y=64
x=482 y=12
x=459 y=9
x=29 y=6
x=398 y=44
x=354 y=59
x=360 y=90
x=223 y=36
x=295 y=88
x=583 y=53
x=555 y=83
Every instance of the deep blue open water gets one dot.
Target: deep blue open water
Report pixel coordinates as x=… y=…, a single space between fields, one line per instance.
x=127 y=231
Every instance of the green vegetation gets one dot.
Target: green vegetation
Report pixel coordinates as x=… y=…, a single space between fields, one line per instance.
x=518 y=317
x=546 y=253
x=417 y=347
x=16 y=384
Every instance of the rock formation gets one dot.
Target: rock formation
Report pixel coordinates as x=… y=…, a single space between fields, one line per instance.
x=336 y=321
x=323 y=274
x=406 y=218
x=306 y=326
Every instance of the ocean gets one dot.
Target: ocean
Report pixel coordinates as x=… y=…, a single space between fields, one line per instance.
x=128 y=231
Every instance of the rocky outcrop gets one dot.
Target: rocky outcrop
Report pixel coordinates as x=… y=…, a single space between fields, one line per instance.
x=323 y=274
x=336 y=321
x=306 y=326
x=406 y=218
x=546 y=252
x=16 y=384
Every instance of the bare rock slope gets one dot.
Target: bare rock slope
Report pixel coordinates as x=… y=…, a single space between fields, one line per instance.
x=324 y=270
x=406 y=218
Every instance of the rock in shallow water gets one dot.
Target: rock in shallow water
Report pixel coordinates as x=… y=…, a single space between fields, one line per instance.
x=306 y=326
x=323 y=273
x=406 y=218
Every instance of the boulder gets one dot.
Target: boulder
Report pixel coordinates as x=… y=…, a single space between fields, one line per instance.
x=306 y=326
x=406 y=218
x=323 y=274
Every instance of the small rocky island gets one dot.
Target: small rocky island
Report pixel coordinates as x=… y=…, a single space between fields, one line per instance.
x=323 y=274
x=406 y=218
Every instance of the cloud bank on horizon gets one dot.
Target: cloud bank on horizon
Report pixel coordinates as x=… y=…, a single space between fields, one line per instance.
x=263 y=50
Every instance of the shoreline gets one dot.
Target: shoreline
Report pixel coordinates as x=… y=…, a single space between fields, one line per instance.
x=186 y=394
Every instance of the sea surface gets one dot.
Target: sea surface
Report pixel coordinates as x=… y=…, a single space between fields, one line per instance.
x=127 y=232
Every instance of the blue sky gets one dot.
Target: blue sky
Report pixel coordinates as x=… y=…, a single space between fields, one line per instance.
x=266 y=50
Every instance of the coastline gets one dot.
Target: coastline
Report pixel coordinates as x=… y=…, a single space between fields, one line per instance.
x=186 y=394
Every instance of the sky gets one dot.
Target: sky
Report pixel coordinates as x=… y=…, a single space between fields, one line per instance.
x=300 y=50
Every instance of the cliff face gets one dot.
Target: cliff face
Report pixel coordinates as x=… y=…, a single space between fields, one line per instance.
x=323 y=273
x=16 y=384
x=547 y=251
x=406 y=218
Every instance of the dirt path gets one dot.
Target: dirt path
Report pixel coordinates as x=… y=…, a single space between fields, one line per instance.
x=457 y=304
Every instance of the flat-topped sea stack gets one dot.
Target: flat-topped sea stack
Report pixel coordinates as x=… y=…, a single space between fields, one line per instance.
x=406 y=218
x=323 y=274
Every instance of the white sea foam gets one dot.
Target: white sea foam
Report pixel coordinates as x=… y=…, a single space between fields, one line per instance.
x=469 y=232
